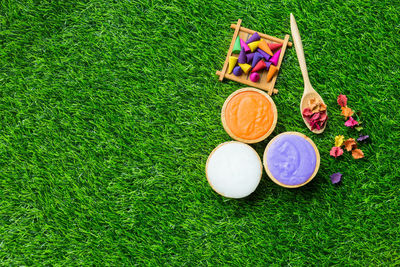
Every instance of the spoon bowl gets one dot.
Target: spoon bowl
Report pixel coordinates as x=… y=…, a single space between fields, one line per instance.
x=309 y=91
x=304 y=103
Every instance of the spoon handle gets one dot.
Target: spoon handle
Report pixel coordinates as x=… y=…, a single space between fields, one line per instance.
x=300 y=53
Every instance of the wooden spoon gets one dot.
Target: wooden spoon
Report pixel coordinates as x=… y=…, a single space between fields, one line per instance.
x=309 y=91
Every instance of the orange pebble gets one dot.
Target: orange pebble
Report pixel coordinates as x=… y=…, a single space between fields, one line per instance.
x=263 y=45
x=272 y=71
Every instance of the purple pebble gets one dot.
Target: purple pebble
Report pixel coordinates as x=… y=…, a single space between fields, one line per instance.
x=253 y=38
x=242 y=57
x=250 y=57
x=265 y=55
x=267 y=65
x=237 y=71
x=257 y=57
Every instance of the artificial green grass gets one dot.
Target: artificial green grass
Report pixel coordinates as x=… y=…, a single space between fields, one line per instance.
x=109 y=110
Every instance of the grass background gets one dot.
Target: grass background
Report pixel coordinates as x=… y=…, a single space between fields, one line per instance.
x=109 y=110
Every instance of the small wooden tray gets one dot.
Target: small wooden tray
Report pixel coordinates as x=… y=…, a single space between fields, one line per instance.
x=262 y=84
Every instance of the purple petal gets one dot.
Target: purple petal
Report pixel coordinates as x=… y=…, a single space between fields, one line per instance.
x=336 y=178
x=362 y=138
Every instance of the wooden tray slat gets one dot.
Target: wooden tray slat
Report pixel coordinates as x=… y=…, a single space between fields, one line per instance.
x=235 y=34
x=263 y=35
x=272 y=82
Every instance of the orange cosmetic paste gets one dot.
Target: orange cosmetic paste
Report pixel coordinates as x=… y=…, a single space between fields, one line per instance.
x=249 y=115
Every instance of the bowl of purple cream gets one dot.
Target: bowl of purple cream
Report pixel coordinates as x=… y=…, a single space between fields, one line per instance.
x=291 y=159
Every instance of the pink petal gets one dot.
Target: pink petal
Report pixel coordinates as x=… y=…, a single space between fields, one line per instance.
x=336 y=151
x=350 y=122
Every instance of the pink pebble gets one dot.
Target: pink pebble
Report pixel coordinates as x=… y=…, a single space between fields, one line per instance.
x=254 y=77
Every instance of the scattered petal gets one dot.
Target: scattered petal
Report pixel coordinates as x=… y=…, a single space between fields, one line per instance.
x=357 y=154
x=350 y=144
x=336 y=178
x=336 y=151
x=362 y=137
x=358 y=128
x=347 y=112
x=339 y=140
x=307 y=112
x=342 y=100
x=350 y=122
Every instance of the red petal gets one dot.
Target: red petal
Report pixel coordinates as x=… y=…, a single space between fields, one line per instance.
x=323 y=116
x=342 y=100
x=307 y=112
x=315 y=117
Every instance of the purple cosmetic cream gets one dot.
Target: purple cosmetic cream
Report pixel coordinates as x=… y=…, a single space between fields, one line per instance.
x=291 y=159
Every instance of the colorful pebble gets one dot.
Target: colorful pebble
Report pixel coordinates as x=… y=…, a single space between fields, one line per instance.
x=265 y=55
x=253 y=46
x=237 y=71
x=272 y=71
x=257 y=57
x=245 y=46
x=274 y=46
x=237 y=47
x=274 y=59
x=253 y=38
x=250 y=57
x=267 y=65
x=259 y=66
x=245 y=67
x=263 y=45
x=242 y=57
x=232 y=63
x=254 y=77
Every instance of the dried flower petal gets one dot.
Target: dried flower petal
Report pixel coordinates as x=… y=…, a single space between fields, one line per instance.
x=307 y=112
x=313 y=104
x=313 y=101
x=339 y=140
x=342 y=100
x=336 y=151
x=322 y=107
x=362 y=138
x=323 y=117
x=314 y=125
x=347 y=112
x=350 y=144
x=350 y=122
x=357 y=154
x=336 y=178
x=315 y=117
